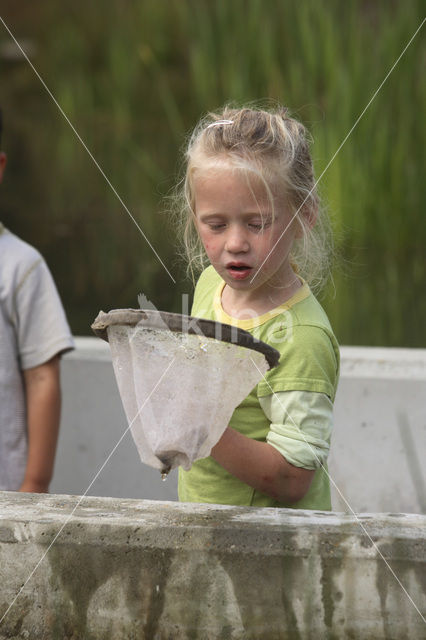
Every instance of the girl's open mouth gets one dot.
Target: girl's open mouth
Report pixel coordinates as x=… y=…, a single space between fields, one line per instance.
x=238 y=271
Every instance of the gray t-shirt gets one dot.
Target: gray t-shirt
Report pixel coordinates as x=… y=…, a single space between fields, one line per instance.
x=33 y=329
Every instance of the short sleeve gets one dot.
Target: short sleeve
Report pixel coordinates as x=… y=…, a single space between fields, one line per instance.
x=309 y=362
x=41 y=325
x=301 y=425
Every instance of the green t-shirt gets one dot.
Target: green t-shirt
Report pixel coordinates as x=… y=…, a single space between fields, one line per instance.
x=309 y=361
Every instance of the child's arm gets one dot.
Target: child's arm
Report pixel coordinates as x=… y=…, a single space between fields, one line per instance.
x=43 y=401
x=261 y=466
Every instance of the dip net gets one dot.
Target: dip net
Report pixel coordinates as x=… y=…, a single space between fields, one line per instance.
x=180 y=379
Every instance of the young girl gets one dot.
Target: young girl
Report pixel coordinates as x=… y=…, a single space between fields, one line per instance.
x=251 y=206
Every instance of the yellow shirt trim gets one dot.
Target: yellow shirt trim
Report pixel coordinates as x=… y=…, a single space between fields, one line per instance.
x=257 y=321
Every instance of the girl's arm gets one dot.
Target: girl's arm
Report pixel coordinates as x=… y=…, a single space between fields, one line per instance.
x=261 y=466
x=43 y=401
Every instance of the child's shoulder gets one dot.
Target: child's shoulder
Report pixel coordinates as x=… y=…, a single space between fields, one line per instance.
x=204 y=293
x=310 y=325
x=18 y=260
x=302 y=312
x=310 y=358
x=208 y=278
x=16 y=252
x=302 y=327
x=309 y=312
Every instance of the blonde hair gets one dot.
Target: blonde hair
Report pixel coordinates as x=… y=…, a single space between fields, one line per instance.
x=275 y=148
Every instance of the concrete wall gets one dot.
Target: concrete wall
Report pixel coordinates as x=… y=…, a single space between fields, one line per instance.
x=380 y=432
x=109 y=569
x=379 y=440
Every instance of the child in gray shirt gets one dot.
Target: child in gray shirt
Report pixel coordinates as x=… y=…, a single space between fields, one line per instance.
x=33 y=334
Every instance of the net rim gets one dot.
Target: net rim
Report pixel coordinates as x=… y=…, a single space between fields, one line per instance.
x=179 y=323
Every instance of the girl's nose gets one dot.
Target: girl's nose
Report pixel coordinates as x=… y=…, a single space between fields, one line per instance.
x=236 y=241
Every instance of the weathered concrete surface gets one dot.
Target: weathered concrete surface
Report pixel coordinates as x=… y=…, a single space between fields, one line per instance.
x=127 y=569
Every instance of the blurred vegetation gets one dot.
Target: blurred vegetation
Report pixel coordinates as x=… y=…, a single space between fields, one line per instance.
x=134 y=77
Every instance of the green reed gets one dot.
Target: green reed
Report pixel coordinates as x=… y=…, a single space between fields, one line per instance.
x=134 y=77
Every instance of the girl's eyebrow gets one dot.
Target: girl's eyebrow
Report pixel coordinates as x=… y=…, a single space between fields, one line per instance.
x=245 y=214
x=205 y=217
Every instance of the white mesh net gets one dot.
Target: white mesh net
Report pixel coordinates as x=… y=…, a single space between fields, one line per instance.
x=179 y=390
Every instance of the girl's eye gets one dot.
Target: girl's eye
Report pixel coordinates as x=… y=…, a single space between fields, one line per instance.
x=259 y=226
x=216 y=226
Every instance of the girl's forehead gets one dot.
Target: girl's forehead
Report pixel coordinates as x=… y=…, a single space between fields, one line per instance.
x=225 y=177
x=225 y=170
x=222 y=183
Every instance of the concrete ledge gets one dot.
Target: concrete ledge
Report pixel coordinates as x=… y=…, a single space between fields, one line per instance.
x=126 y=569
x=380 y=362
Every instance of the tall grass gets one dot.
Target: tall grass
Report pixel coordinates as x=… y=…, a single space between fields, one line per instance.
x=134 y=77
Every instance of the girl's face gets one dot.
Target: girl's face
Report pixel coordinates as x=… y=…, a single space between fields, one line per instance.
x=247 y=240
